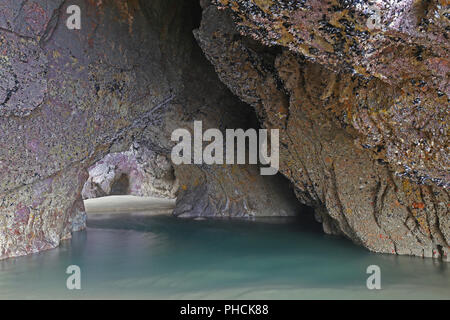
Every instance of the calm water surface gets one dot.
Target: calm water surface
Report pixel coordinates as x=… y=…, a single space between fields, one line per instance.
x=132 y=256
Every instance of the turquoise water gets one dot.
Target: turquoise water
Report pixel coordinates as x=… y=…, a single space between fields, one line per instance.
x=167 y=258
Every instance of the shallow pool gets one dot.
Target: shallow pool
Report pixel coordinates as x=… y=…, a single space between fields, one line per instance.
x=133 y=256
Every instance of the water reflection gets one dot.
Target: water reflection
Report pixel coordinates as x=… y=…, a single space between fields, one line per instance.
x=130 y=256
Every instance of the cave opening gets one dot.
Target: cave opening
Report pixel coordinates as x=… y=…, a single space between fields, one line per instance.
x=199 y=78
x=121 y=186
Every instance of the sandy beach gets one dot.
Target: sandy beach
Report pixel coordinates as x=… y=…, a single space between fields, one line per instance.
x=125 y=204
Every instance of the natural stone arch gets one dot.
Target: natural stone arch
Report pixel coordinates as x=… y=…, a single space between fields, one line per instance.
x=132 y=73
x=98 y=93
x=121 y=186
x=137 y=171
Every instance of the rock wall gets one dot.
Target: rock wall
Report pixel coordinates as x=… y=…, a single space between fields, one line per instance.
x=370 y=155
x=358 y=91
x=216 y=190
x=70 y=97
x=402 y=116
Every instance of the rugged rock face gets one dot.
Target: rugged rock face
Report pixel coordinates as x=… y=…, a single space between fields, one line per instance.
x=349 y=140
x=138 y=172
x=216 y=190
x=403 y=116
x=70 y=97
x=359 y=93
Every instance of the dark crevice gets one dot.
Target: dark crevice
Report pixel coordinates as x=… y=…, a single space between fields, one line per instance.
x=121 y=186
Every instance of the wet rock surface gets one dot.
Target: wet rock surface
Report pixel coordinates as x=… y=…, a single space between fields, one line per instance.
x=344 y=136
x=222 y=191
x=68 y=98
x=402 y=64
x=395 y=42
x=359 y=93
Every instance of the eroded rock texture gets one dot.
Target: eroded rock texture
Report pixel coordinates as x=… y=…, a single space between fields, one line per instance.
x=138 y=172
x=362 y=112
x=216 y=190
x=358 y=91
x=405 y=113
x=70 y=97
